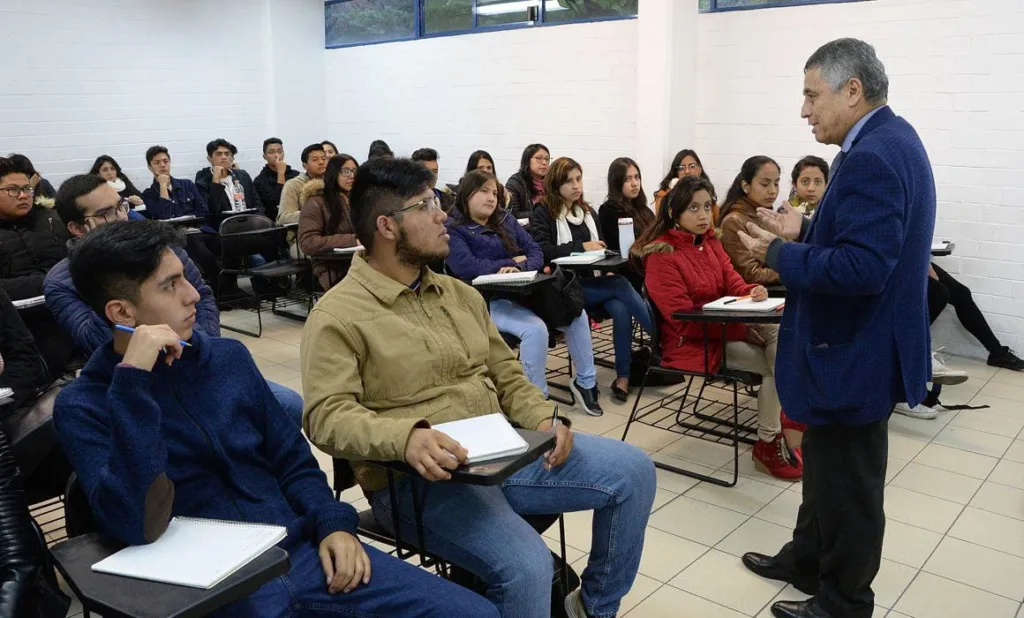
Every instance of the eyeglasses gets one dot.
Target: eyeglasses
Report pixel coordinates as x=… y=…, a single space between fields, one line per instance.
x=348 y=172
x=693 y=167
x=430 y=205
x=17 y=191
x=541 y=159
x=120 y=208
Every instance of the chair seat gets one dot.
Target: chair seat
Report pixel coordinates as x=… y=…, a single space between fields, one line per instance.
x=728 y=375
x=371 y=528
x=281 y=268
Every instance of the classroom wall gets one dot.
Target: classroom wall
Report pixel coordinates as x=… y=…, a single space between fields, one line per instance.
x=955 y=70
x=495 y=91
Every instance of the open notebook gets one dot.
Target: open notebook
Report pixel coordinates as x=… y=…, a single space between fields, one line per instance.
x=485 y=437
x=355 y=249
x=746 y=304
x=507 y=278
x=199 y=553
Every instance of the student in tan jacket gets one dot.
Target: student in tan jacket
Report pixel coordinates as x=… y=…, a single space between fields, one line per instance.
x=756 y=186
x=314 y=161
x=324 y=223
x=394 y=349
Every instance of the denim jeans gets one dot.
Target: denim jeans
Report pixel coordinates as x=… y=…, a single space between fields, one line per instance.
x=481 y=529
x=290 y=401
x=617 y=297
x=518 y=321
x=395 y=589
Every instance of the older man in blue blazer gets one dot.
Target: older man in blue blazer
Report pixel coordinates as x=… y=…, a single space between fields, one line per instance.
x=854 y=339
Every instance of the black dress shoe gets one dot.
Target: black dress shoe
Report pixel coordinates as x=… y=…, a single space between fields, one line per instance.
x=799 y=609
x=770 y=568
x=618 y=394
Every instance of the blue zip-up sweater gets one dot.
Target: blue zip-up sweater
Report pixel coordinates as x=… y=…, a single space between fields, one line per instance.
x=226 y=446
x=475 y=250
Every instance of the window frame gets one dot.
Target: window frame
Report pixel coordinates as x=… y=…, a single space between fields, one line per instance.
x=420 y=25
x=778 y=4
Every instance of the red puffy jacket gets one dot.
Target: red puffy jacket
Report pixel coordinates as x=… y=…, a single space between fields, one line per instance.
x=683 y=273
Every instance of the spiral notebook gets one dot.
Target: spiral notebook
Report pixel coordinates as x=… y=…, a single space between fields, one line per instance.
x=199 y=553
x=522 y=278
x=485 y=437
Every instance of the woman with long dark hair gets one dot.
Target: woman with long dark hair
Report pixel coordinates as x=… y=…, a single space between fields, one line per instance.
x=485 y=240
x=483 y=161
x=626 y=200
x=324 y=222
x=686 y=163
x=755 y=187
x=527 y=185
x=564 y=223
x=107 y=168
x=686 y=268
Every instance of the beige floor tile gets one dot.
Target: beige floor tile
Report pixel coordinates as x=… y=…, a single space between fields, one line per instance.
x=917 y=428
x=572 y=555
x=1008 y=473
x=988 y=422
x=670 y=602
x=782 y=510
x=939 y=483
x=703 y=452
x=665 y=555
x=893 y=466
x=1015 y=452
x=608 y=425
x=578 y=527
x=892 y=580
x=956 y=460
x=674 y=482
x=991 y=530
x=698 y=521
x=1003 y=391
x=931 y=596
x=1003 y=408
x=905 y=448
x=264 y=365
x=920 y=510
x=285 y=335
x=1001 y=499
x=962 y=393
x=643 y=587
x=662 y=497
x=280 y=374
x=722 y=578
x=908 y=544
x=973 y=441
x=1005 y=376
x=649 y=438
x=756 y=535
x=978 y=566
x=978 y=370
x=747 y=497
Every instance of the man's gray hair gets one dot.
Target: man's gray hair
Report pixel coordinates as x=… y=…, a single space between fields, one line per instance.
x=843 y=59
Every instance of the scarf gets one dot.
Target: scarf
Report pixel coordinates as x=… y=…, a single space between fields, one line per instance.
x=117 y=185
x=576 y=216
x=538 y=186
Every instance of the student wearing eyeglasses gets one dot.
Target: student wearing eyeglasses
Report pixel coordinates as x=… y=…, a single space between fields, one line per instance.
x=685 y=163
x=324 y=222
x=527 y=185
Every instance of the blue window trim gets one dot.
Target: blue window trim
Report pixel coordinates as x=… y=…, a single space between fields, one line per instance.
x=714 y=8
x=420 y=32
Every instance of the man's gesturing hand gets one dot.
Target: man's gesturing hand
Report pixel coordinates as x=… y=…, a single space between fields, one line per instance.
x=756 y=240
x=785 y=222
x=344 y=561
x=433 y=454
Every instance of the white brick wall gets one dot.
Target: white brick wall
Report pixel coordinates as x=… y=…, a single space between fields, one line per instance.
x=572 y=88
x=955 y=69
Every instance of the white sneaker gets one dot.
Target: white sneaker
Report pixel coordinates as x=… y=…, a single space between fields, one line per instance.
x=919 y=411
x=574 y=604
x=941 y=374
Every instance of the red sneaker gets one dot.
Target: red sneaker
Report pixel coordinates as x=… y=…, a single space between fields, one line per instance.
x=793 y=431
x=774 y=458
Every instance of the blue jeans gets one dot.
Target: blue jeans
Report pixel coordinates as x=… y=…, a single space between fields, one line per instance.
x=618 y=298
x=395 y=589
x=518 y=321
x=290 y=401
x=481 y=528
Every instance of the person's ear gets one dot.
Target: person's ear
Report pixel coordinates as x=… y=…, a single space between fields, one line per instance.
x=387 y=227
x=745 y=186
x=121 y=312
x=76 y=229
x=854 y=91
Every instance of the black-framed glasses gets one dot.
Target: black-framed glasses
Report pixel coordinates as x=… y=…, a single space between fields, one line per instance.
x=430 y=205
x=105 y=213
x=14 y=191
x=541 y=159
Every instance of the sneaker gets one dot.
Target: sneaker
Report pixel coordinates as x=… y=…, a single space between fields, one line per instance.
x=586 y=398
x=1006 y=359
x=919 y=411
x=574 y=604
x=775 y=459
x=941 y=374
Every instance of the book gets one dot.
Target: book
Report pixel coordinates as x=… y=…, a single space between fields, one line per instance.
x=747 y=304
x=193 y=552
x=355 y=249
x=485 y=437
x=506 y=278
x=588 y=257
x=25 y=303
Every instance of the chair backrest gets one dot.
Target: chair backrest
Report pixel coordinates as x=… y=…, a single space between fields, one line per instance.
x=656 y=320
x=244 y=223
x=266 y=241
x=78 y=518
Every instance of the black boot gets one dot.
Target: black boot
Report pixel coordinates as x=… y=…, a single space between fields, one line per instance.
x=1006 y=359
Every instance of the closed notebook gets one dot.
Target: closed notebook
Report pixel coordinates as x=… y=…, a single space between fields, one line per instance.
x=485 y=437
x=746 y=304
x=586 y=257
x=507 y=278
x=199 y=553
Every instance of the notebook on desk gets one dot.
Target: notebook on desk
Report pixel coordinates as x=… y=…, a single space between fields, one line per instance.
x=746 y=304
x=199 y=553
x=586 y=257
x=485 y=437
x=522 y=278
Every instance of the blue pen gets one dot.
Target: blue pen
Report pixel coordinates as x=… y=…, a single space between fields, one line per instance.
x=129 y=329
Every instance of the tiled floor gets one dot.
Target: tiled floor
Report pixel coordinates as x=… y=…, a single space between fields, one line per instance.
x=954 y=543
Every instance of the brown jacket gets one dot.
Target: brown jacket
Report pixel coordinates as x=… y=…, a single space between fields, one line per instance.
x=750 y=268
x=379 y=360
x=314 y=236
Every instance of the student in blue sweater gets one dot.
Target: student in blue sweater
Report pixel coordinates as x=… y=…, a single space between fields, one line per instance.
x=154 y=433
x=485 y=240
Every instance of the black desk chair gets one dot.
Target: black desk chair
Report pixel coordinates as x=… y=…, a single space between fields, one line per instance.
x=245 y=235
x=730 y=377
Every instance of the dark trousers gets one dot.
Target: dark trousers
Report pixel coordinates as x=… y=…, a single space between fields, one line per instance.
x=837 y=541
x=948 y=290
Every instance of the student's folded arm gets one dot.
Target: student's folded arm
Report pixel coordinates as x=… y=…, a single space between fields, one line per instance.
x=23 y=366
x=312 y=240
x=207 y=314
x=542 y=228
x=115 y=447
x=217 y=199
x=289 y=210
x=529 y=247
x=332 y=387
x=465 y=265
x=868 y=241
x=26 y=286
x=735 y=285
x=299 y=475
x=199 y=205
x=88 y=330
x=750 y=268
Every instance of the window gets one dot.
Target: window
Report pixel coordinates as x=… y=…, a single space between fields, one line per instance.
x=361 y=22
x=731 y=5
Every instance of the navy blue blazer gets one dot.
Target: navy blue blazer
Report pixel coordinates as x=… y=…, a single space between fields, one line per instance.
x=855 y=338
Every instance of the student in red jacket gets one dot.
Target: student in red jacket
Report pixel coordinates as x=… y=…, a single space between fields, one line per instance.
x=686 y=268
